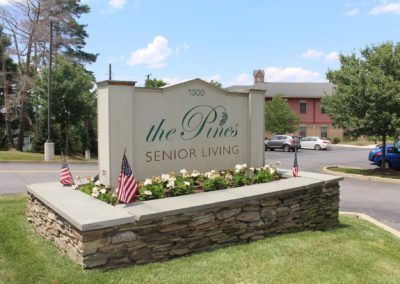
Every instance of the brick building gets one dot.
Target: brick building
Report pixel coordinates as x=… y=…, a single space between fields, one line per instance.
x=304 y=99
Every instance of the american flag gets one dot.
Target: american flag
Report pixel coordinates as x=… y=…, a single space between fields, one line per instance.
x=295 y=165
x=65 y=174
x=127 y=187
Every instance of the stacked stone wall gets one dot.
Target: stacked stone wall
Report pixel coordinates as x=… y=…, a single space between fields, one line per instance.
x=160 y=239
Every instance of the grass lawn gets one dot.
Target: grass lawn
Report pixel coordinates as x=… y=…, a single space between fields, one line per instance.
x=12 y=156
x=355 y=252
x=376 y=172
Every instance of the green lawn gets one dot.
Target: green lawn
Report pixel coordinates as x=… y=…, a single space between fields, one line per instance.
x=16 y=156
x=376 y=172
x=355 y=252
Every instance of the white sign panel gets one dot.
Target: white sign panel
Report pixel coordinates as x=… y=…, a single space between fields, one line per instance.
x=192 y=125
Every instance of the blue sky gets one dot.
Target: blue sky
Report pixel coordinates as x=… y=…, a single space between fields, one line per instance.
x=226 y=40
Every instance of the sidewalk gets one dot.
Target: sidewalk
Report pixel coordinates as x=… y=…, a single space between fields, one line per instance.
x=372 y=146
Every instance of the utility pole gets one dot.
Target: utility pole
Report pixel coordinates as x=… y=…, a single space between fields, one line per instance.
x=49 y=145
x=109 y=72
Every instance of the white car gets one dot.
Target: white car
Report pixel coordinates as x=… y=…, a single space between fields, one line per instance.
x=314 y=142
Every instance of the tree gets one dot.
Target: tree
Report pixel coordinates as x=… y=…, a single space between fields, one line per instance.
x=279 y=118
x=73 y=104
x=28 y=23
x=216 y=83
x=7 y=71
x=366 y=99
x=154 y=83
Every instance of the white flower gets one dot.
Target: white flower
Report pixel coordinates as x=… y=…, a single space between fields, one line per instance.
x=239 y=168
x=258 y=169
x=228 y=177
x=212 y=174
x=98 y=183
x=148 y=192
x=165 y=177
x=184 y=173
x=195 y=173
x=103 y=190
x=95 y=189
x=272 y=170
x=95 y=193
x=171 y=183
x=251 y=169
x=186 y=183
x=75 y=186
x=148 y=181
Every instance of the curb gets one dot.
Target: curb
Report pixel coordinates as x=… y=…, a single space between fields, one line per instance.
x=371 y=220
x=371 y=146
x=367 y=178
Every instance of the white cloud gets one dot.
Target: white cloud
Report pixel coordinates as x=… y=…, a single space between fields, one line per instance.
x=352 y=12
x=117 y=4
x=290 y=74
x=242 y=79
x=181 y=48
x=333 y=56
x=393 y=7
x=154 y=55
x=215 y=77
x=312 y=53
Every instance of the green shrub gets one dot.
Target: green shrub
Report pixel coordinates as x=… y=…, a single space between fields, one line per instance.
x=263 y=176
x=336 y=140
x=241 y=179
x=152 y=191
x=215 y=184
x=182 y=186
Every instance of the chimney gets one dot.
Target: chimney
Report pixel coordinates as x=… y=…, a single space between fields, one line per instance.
x=258 y=76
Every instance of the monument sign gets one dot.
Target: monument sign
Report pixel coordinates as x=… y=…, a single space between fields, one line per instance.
x=191 y=125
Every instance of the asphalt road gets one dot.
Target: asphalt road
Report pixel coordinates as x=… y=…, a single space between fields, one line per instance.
x=379 y=200
x=14 y=176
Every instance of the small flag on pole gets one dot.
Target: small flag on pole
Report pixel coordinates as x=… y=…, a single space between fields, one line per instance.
x=65 y=174
x=127 y=187
x=295 y=165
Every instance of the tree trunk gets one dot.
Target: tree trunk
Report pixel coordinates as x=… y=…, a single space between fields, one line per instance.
x=22 y=120
x=383 y=151
x=7 y=106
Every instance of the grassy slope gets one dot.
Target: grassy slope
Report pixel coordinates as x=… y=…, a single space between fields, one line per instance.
x=376 y=172
x=354 y=252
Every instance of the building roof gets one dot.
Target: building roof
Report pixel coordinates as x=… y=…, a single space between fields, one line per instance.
x=289 y=89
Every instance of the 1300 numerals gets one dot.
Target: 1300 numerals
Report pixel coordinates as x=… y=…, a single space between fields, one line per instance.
x=196 y=92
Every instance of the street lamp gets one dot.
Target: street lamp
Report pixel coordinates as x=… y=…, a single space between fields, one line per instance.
x=49 y=145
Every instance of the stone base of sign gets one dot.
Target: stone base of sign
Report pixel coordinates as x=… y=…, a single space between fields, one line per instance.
x=97 y=235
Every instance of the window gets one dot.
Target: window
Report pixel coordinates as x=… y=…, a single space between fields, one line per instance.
x=303 y=130
x=324 y=131
x=303 y=107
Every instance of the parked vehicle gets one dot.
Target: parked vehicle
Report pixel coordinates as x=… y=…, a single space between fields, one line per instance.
x=392 y=158
x=284 y=142
x=378 y=148
x=314 y=142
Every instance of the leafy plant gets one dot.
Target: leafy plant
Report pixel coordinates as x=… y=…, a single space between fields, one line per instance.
x=215 y=184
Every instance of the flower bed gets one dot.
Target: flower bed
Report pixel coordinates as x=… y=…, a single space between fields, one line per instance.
x=169 y=185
